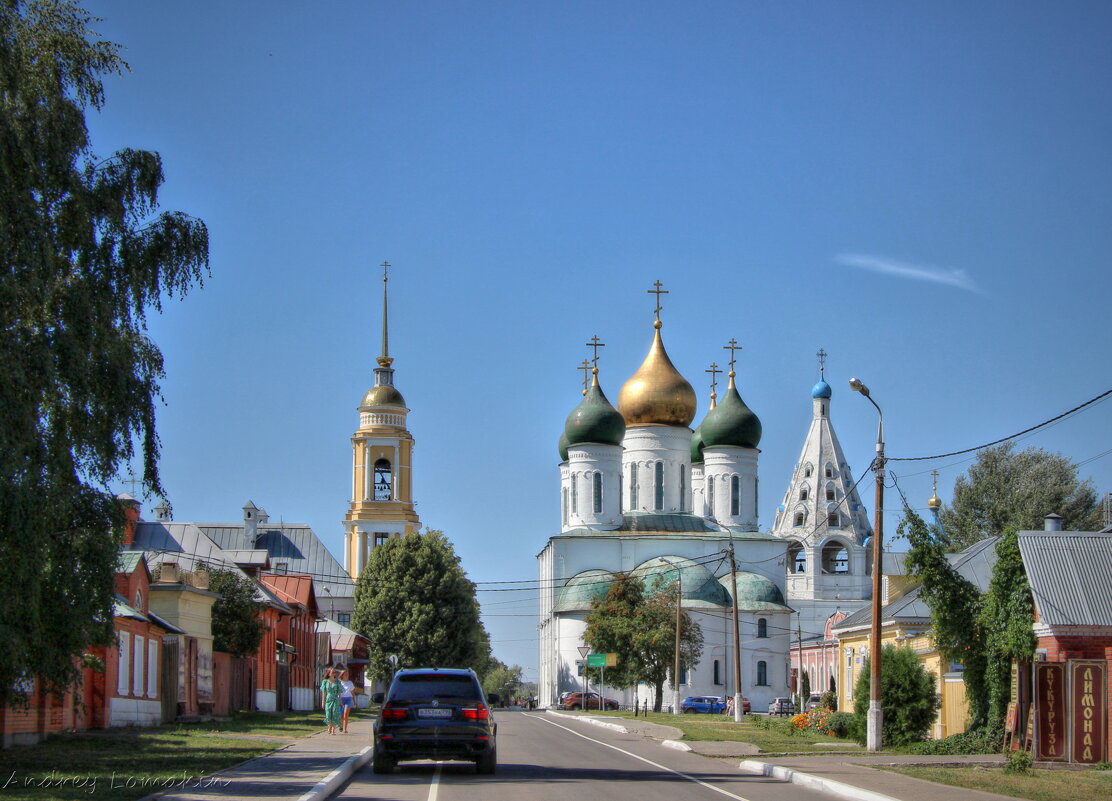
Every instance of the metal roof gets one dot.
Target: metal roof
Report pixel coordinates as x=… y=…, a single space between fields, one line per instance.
x=974 y=563
x=295 y=544
x=670 y=523
x=1068 y=572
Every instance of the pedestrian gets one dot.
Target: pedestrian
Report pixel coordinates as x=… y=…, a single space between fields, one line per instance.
x=730 y=705
x=330 y=690
x=347 y=699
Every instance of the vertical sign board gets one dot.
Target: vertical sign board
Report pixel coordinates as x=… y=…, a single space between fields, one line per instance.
x=1087 y=702
x=1050 y=711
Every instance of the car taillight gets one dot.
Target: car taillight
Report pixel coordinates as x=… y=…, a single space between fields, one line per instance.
x=478 y=713
x=390 y=712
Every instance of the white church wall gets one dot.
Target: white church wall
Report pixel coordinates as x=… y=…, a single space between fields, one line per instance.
x=645 y=447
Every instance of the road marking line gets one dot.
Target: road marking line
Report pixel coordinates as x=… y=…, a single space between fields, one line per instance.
x=726 y=793
x=434 y=785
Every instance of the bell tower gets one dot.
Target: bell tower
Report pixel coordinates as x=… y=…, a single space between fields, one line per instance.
x=382 y=463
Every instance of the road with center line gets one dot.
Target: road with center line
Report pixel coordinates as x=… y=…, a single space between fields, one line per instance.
x=552 y=758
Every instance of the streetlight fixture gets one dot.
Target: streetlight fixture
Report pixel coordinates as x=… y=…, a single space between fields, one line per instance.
x=875 y=717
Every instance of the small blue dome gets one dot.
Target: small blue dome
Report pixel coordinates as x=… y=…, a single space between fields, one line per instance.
x=821 y=390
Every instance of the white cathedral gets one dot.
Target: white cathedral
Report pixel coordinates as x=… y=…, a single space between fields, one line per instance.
x=641 y=493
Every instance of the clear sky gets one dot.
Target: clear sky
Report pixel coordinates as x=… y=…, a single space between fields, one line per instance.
x=921 y=189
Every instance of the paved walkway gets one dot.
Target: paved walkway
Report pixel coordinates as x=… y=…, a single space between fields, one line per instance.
x=308 y=769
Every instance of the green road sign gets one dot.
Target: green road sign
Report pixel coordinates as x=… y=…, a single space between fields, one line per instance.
x=596 y=660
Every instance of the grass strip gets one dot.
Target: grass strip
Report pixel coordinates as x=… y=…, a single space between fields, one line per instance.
x=1038 y=785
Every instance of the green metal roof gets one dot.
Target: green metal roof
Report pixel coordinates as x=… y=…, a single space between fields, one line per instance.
x=595 y=420
x=731 y=422
x=583 y=588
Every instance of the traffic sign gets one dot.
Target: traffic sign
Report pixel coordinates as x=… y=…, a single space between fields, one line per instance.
x=584 y=650
x=611 y=660
x=596 y=660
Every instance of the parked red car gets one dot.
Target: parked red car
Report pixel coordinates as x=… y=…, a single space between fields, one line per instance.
x=590 y=701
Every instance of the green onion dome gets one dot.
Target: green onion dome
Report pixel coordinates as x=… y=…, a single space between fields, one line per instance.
x=562 y=445
x=594 y=420
x=697 y=446
x=731 y=422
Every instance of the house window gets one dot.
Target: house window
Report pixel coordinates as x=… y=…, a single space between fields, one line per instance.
x=344 y=618
x=762 y=673
x=735 y=496
x=384 y=477
x=123 y=681
x=762 y=628
x=152 y=668
x=281 y=567
x=139 y=600
x=574 y=493
x=597 y=480
x=658 y=488
x=139 y=655
x=633 y=498
x=564 y=505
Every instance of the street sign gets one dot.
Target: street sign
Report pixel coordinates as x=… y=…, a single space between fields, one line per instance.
x=611 y=660
x=596 y=660
x=584 y=650
x=580 y=661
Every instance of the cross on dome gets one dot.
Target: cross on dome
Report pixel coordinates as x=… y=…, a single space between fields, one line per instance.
x=732 y=347
x=658 y=292
x=586 y=368
x=594 y=344
x=822 y=363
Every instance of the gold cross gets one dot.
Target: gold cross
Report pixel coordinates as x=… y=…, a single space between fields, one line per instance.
x=586 y=368
x=595 y=344
x=714 y=371
x=822 y=363
x=658 y=292
x=732 y=347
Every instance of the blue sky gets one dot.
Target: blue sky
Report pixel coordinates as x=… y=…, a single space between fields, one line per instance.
x=923 y=190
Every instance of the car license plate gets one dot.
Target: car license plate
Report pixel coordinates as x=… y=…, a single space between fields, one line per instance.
x=434 y=712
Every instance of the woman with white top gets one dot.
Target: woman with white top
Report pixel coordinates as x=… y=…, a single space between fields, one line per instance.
x=347 y=698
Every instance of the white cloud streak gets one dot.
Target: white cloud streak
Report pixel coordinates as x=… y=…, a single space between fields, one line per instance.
x=915 y=272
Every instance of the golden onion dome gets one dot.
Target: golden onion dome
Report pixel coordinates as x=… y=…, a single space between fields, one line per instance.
x=657 y=395
x=935 y=502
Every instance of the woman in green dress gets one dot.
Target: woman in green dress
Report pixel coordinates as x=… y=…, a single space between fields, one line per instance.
x=330 y=690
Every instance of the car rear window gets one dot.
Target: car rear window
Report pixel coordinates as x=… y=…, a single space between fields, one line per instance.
x=426 y=688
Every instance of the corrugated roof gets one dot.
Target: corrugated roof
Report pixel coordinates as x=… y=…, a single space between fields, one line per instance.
x=974 y=563
x=291 y=588
x=295 y=544
x=1068 y=572
x=247 y=558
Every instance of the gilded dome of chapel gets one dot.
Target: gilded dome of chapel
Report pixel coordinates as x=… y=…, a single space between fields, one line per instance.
x=657 y=394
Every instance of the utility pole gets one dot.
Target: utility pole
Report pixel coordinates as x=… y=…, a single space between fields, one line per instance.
x=676 y=667
x=738 y=702
x=799 y=643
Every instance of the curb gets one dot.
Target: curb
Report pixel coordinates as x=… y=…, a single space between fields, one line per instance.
x=593 y=721
x=676 y=744
x=337 y=778
x=812 y=782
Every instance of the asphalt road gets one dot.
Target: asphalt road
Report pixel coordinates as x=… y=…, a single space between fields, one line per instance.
x=548 y=758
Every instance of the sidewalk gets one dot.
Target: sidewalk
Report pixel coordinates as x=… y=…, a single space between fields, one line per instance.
x=309 y=769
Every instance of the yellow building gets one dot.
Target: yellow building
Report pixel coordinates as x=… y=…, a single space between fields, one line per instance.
x=905 y=621
x=381 y=465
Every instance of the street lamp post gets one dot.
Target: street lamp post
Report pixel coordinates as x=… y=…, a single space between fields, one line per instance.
x=875 y=717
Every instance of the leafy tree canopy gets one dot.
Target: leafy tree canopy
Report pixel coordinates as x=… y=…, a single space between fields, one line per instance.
x=504 y=680
x=1006 y=487
x=639 y=625
x=236 y=626
x=414 y=600
x=83 y=255
x=907 y=697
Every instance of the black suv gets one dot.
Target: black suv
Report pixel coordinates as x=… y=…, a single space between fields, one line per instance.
x=435 y=713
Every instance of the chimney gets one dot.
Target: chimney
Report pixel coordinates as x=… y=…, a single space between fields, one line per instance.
x=250 y=522
x=1052 y=522
x=131 y=516
x=168 y=573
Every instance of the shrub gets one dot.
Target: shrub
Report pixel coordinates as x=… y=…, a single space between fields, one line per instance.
x=1018 y=762
x=969 y=742
x=907 y=697
x=829 y=701
x=839 y=724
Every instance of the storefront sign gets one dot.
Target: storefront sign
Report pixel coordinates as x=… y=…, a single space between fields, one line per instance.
x=1087 y=702
x=1050 y=711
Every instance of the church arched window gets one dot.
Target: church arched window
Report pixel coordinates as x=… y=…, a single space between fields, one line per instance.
x=804 y=494
x=807 y=471
x=830 y=493
x=835 y=558
x=633 y=495
x=575 y=493
x=683 y=488
x=800 y=519
x=762 y=673
x=797 y=558
x=735 y=496
x=596 y=480
x=833 y=520
x=384 y=480
x=762 y=628
x=710 y=495
x=658 y=487
x=564 y=505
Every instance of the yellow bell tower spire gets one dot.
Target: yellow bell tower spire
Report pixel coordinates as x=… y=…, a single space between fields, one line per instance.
x=382 y=460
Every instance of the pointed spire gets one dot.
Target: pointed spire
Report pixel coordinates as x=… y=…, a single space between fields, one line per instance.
x=385 y=360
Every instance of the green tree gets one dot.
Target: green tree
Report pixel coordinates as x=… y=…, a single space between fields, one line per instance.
x=236 y=626
x=956 y=610
x=639 y=625
x=1006 y=487
x=907 y=697
x=1008 y=618
x=504 y=680
x=414 y=600
x=82 y=257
